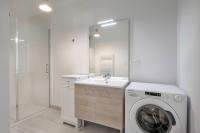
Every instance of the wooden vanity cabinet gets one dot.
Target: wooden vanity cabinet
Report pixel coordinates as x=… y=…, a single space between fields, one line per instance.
x=102 y=105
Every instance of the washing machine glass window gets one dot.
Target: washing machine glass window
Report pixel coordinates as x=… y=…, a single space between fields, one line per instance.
x=154 y=119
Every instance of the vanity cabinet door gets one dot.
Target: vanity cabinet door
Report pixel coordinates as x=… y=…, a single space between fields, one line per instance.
x=109 y=115
x=100 y=105
x=84 y=104
x=109 y=107
x=68 y=103
x=110 y=96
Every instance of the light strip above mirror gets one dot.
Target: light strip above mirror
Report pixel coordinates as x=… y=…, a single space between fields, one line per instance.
x=105 y=21
x=109 y=24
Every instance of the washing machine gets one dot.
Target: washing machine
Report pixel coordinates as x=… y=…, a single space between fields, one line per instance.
x=155 y=108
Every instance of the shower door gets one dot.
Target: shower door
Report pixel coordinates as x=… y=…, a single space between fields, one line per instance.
x=29 y=66
x=12 y=71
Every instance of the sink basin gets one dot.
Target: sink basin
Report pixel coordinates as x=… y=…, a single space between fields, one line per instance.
x=114 y=82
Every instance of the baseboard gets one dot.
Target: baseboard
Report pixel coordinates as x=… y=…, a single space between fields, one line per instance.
x=55 y=107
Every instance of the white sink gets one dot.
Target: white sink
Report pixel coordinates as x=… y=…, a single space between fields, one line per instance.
x=116 y=82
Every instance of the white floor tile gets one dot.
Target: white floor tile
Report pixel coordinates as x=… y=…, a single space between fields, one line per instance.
x=50 y=122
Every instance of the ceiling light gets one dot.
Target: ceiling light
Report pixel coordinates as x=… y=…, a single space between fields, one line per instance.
x=105 y=21
x=45 y=8
x=97 y=35
x=109 y=24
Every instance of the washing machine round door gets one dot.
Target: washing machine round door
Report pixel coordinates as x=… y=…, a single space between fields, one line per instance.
x=154 y=116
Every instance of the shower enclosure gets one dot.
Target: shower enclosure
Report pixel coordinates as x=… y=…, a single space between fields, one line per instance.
x=29 y=66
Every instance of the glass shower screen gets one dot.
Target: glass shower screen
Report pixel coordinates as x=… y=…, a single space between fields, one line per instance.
x=29 y=66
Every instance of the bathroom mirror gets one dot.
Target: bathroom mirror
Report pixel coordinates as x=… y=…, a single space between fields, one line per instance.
x=109 y=48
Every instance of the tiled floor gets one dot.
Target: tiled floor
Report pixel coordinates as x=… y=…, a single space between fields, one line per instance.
x=50 y=122
x=26 y=111
x=31 y=108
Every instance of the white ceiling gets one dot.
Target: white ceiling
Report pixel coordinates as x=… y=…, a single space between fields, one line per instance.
x=30 y=7
x=26 y=7
x=68 y=1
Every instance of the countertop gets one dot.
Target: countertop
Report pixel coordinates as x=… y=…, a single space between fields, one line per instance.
x=74 y=76
x=114 y=83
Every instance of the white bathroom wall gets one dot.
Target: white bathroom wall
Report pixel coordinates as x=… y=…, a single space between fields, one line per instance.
x=153 y=37
x=4 y=66
x=188 y=57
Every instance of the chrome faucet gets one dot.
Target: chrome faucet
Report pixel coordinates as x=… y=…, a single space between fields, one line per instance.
x=106 y=77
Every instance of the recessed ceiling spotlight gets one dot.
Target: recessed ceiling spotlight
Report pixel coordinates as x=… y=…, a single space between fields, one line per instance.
x=105 y=21
x=109 y=24
x=44 y=6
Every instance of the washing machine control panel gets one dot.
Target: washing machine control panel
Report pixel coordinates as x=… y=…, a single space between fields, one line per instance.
x=153 y=94
x=178 y=98
x=142 y=94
